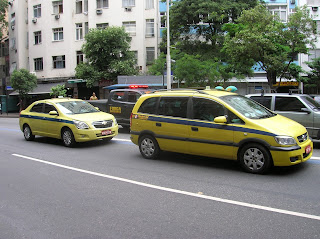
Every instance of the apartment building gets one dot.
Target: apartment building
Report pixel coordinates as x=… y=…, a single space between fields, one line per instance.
x=46 y=36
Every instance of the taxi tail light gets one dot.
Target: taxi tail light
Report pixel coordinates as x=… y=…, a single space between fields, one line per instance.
x=130 y=120
x=138 y=86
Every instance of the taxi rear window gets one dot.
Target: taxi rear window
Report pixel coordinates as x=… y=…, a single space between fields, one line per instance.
x=149 y=106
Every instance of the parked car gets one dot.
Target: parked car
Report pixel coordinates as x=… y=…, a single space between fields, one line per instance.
x=120 y=103
x=299 y=107
x=217 y=124
x=71 y=120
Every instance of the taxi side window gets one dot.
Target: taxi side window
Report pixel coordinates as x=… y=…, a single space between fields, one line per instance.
x=118 y=96
x=204 y=109
x=37 y=108
x=263 y=100
x=173 y=106
x=288 y=104
x=133 y=96
x=149 y=106
x=48 y=108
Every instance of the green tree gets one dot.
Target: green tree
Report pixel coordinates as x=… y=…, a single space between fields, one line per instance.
x=258 y=39
x=108 y=54
x=3 y=21
x=23 y=82
x=313 y=79
x=58 y=90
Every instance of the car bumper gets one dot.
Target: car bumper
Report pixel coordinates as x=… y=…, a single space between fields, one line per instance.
x=94 y=134
x=292 y=157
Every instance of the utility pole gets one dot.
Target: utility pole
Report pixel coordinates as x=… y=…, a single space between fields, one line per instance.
x=168 y=50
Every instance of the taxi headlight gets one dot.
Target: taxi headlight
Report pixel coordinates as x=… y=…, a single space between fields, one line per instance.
x=115 y=122
x=285 y=140
x=81 y=124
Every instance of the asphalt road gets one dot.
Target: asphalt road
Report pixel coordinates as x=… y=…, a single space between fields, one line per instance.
x=107 y=190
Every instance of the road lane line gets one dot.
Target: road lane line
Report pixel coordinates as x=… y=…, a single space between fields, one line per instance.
x=227 y=201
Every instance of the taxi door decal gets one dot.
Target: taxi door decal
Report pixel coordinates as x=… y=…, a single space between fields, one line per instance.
x=115 y=110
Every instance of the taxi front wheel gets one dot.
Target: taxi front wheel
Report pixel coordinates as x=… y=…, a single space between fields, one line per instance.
x=68 y=138
x=254 y=158
x=27 y=133
x=149 y=147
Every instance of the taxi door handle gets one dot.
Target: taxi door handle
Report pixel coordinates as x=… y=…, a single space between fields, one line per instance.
x=158 y=124
x=194 y=129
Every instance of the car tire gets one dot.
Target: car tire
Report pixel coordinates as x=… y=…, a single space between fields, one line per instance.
x=254 y=158
x=149 y=147
x=68 y=138
x=27 y=133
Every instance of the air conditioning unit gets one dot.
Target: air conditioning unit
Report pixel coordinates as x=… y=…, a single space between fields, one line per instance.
x=34 y=20
x=33 y=73
x=57 y=17
x=127 y=9
x=99 y=11
x=314 y=9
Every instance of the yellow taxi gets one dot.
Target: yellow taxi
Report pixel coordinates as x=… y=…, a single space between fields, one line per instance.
x=217 y=123
x=71 y=120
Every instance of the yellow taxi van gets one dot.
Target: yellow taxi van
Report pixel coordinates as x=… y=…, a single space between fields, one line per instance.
x=220 y=124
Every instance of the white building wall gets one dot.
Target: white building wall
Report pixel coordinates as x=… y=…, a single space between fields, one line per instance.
x=114 y=15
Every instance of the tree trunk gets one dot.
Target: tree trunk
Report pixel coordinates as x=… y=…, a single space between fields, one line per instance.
x=272 y=78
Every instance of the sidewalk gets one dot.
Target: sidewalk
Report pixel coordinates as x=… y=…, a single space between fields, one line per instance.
x=9 y=115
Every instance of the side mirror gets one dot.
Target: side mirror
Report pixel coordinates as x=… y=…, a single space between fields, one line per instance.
x=97 y=108
x=220 y=120
x=53 y=112
x=306 y=110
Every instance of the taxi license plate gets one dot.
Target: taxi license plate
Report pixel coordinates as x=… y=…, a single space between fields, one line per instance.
x=106 y=132
x=308 y=149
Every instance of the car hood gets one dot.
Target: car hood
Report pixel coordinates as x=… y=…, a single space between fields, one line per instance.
x=281 y=125
x=91 y=116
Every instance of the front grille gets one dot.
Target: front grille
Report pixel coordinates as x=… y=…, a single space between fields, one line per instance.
x=303 y=137
x=102 y=124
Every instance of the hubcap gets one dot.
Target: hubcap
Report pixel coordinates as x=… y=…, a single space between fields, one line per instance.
x=254 y=159
x=147 y=147
x=67 y=137
x=27 y=132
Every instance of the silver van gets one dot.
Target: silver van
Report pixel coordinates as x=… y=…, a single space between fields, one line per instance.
x=299 y=107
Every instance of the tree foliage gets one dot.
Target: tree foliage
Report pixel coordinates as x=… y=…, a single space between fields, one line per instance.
x=108 y=54
x=260 y=39
x=3 y=21
x=313 y=79
x=58 y=90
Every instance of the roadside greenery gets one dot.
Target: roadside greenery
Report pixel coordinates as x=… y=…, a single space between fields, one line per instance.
x=3 y=21
x=58 y=90
x=108 y=55
x=23 y=82
x=313 y=79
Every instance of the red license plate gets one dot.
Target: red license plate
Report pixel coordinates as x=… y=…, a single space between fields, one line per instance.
x=106 y=132
x=308 y=149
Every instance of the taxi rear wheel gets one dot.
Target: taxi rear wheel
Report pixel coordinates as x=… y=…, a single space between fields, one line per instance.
x=27 y=133
x=149 y=147
x=68 y=138
x=255 y=158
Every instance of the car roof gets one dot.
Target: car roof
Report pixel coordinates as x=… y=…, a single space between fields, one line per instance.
x=276 y=94
x=188 y=92
x=57 y=100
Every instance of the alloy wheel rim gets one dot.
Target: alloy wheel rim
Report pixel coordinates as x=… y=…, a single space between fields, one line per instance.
x=147 y=147
x=27 y=132
x=254 y=159
x=67 y=137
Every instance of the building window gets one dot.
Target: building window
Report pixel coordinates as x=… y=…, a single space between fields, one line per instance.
x=79 y=57
x=13 y=44
x=318 y=26
x=128 y=3
x=79 y=6
x=280 y=11
x=58 y=34
x=102 y=26
x=130 y=27
x=102 y=3
x=38 y=64
x=59 y=62
x=57 y=7
x=135 y=57
x=37 y=10
x=37 y=38
x=150 y=55
x=86 y=28
x=163 y=19
x=150 y=28
x=79 y=31
x=314 y=53
x=149 y=4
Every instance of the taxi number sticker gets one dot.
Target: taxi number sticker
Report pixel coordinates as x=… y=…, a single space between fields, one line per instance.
x=142 y=117
x=308 y=149
x=114 y=109
x=106 y=132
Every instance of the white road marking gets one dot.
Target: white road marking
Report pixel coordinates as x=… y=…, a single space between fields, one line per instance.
x=125 y=140
x=197 y=195
x=315 y=158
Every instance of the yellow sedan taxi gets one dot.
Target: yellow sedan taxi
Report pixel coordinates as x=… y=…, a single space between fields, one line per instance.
x=71 y=120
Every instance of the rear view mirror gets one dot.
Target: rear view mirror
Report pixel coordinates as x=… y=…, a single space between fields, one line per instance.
x=220 y=120
x=53 y=112
x=305 y=110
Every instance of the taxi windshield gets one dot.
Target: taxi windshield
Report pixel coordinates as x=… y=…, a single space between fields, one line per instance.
x=247 y=107
x=76 y=107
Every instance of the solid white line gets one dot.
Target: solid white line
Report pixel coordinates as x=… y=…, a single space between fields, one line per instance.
x=249 y=205
x=126 y=140
x=315 y=158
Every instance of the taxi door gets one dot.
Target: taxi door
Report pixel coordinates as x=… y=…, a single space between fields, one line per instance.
x=35 y=118
x=205 y=137
x=171 y=124
x=51 y=123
